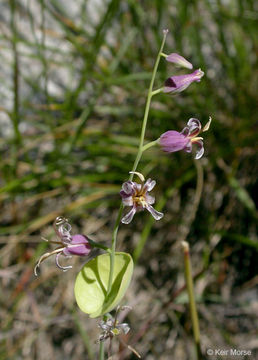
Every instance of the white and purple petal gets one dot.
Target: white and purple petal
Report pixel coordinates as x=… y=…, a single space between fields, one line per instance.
x=64 y=268
x=194 y=126
x=150 y=199
x=185 y=131
x=128 y=187
x=127 y=201
x=129 y=217
x=188 y=147
x=200 y=149
x=149 y=185
x=156 y=214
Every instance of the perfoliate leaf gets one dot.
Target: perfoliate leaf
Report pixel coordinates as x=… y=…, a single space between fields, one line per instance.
x=91 y=284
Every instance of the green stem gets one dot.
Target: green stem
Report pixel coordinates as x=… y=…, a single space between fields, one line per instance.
x=136 y=162
x=97 y=245
x=149 y=145
x=190 y=290
x=101 y=350
x=155 y=92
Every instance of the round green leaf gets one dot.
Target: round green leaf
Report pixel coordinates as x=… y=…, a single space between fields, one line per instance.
x=91 y=283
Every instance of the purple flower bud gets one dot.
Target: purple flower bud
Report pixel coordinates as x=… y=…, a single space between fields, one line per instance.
x=78 y=246
x=178 y=83
x=179 y=60
x=172 y=141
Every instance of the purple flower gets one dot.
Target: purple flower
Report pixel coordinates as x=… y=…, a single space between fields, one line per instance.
x=178 y=83
x=137 y=196
x=179 y=60
x=172 y=141
x=68 y=244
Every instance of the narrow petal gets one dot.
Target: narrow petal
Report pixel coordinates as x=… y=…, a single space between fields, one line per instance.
x=64 y=268
x=127 y=201
x=150 y=199
x=45 y=256
x=179 y=60
x=200 y=150
x=149 y=185
x=156 y=214
x=188 y=147
x=127 y=187
x=65 y=232
x=137 y=188
x=129 y=217
x=185 y=131
x=194 y=127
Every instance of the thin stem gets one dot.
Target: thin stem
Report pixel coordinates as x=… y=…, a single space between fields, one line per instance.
x=97 y=245
x=113 y=248
x=149 y=145
x=155 y=92
x=136 y=162
x=101 y=350
x=149 y=96
x=190 y=290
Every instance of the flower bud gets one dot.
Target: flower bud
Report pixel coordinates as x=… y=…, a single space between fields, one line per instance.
x=178 y=83
x=172 y=141
x=179 y=60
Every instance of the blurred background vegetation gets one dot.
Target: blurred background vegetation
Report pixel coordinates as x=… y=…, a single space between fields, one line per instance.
x=74 y=77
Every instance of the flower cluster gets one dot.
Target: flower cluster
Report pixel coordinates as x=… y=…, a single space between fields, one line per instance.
x=137 y=195
x=68 y=244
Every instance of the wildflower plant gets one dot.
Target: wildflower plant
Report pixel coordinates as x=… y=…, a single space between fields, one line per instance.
x=102 y=282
